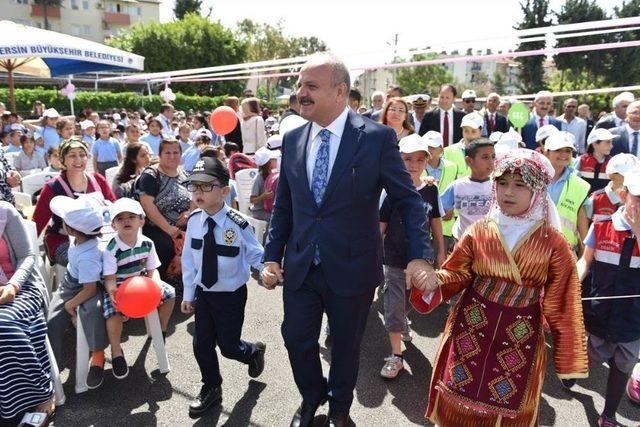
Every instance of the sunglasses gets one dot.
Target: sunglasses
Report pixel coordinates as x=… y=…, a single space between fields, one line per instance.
x=469 y=101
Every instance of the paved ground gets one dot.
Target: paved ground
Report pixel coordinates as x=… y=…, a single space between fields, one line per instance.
x=147 y=398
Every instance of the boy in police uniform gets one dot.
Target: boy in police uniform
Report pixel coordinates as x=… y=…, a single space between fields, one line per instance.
x=219 y=250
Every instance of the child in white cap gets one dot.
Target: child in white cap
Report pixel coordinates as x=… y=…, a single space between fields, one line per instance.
x=591 y=166
x=471 y=129
x=604 y=202
x=78 y=294
x=414 y=152
x=267 y=162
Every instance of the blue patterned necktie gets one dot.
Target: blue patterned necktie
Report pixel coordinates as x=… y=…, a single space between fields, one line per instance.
x=634 y=144
x=320 y=176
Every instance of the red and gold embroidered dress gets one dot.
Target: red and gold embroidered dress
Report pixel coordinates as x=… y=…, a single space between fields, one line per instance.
x=492 y=360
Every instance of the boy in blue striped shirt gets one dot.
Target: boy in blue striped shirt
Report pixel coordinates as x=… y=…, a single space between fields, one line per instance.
x=105 y=150
x=129 y=254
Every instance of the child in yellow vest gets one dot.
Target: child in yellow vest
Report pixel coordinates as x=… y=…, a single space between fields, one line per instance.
x=471 y=129
x=567 y=190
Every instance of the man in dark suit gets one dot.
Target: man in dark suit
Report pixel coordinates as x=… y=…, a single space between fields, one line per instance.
x=629 y=141
x=445 y=118
x=325 y=226
x=377 y=101
x=539 y=117
x=616 y=118
x=493 y=121
x=294 y=107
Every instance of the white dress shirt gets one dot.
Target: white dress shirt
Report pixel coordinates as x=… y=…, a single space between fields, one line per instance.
x=336 y=128
x=450 y=111
x=545 y=119
x=630 y=131
x=578 y=128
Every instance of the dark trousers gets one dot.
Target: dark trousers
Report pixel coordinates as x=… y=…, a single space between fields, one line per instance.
x=163 y=244
x=219 y=317
x=303 y=310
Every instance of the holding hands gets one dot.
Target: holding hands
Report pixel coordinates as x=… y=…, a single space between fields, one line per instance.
x=420 y=275
x=272 y=274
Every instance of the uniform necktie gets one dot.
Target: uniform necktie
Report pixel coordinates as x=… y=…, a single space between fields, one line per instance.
x=320 y=176
x=492 y=123
x=445 y=130
x=210 y=256
x=634 y=144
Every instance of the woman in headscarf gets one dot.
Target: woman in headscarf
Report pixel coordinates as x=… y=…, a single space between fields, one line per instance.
x=515 y=272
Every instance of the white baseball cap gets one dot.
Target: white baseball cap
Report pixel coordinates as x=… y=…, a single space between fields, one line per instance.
x=469 y=93
x=16 y=126
x=560 y=139
x=203 y=132
x=472 y=120
x=125 y=204
x=433 y=139
x=545 y=132
x=86 y=124
x=622 y=163
x=632 y=181
x=600 y=134
x=495 y=136
x=274 y=141
x=263 y=155
x=51 y=113
x=85 y=214
x=508 y=141
x=116 y=117
x=290 y=122
x=412 y=143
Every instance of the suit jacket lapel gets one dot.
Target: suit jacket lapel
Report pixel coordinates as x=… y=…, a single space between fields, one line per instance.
x=301 y=161
x=349 y=144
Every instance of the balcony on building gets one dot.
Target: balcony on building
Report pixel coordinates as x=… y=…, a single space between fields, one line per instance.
x=115 y=18
x=38 y=10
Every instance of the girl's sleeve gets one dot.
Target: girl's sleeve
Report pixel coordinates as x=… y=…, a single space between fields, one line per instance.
x=562 y=309
x=42 y=212
x=455 y=275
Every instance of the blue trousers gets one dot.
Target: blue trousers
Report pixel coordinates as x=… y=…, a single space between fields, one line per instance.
x=303 y=309
x=219 y=317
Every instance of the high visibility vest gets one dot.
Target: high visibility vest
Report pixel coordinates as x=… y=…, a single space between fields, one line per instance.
x=449 y=174
x=455 y=154
x=573 y=195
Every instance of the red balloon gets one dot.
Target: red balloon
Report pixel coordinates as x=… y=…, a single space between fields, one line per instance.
x=138 y=296
x=223 y=120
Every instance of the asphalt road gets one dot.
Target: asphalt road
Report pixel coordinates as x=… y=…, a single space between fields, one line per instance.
x=147 y=398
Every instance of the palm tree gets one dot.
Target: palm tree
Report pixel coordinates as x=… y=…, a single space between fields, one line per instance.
x=46 y=4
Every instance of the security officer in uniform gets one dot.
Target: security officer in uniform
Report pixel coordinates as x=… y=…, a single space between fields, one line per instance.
x=219 y=249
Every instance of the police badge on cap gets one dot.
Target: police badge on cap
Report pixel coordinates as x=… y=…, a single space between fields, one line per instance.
x=208 y=169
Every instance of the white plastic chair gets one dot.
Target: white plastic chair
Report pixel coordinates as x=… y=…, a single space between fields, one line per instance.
x=259 y=228
x=23 y=200
x=34 y=182
x=111 y=173
x=152 y=322
x=55 y=376
x=244 y=183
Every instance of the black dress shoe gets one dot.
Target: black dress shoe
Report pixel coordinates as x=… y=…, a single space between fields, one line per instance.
x=305 y=414
x=256 y=364
x=207 y=398
x=337 y=419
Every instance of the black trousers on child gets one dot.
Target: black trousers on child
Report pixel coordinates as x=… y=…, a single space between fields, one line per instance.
x=219 y=317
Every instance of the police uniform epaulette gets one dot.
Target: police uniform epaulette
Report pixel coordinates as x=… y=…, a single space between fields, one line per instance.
x=194 y=212
x=238 y=219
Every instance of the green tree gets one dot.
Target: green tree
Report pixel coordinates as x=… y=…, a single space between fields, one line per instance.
x=595 y=63
x=423 y=79
x=182 y=7
x=498 y=83
x=535 y=14
x=625 y=65
x=46 y=4
x=267 y=42
x=192 y=42
x=581 y=80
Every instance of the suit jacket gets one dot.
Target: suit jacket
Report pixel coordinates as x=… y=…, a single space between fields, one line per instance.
x=529 y=131
x=431 y=121
x=607 y=122
x=620 y=145
x=501 y=124
x=345 y=227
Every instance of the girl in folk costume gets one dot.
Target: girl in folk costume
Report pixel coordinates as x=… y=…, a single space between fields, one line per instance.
x=515 y=272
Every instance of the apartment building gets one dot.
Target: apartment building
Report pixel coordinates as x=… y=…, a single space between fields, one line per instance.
x=90 y=19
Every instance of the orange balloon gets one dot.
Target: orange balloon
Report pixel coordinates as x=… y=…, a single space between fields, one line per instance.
x=138 y=296
x=223 y=120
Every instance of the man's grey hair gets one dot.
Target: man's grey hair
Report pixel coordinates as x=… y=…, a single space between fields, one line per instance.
x=568 y=100
x=378 y=93
x=622 y=97
x=339 y=70
x=493 y=94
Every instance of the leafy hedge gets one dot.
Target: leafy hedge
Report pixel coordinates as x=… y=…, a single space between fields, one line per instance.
x=101 y=101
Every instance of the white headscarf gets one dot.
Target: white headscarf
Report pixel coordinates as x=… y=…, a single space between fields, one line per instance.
x=537 y=172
